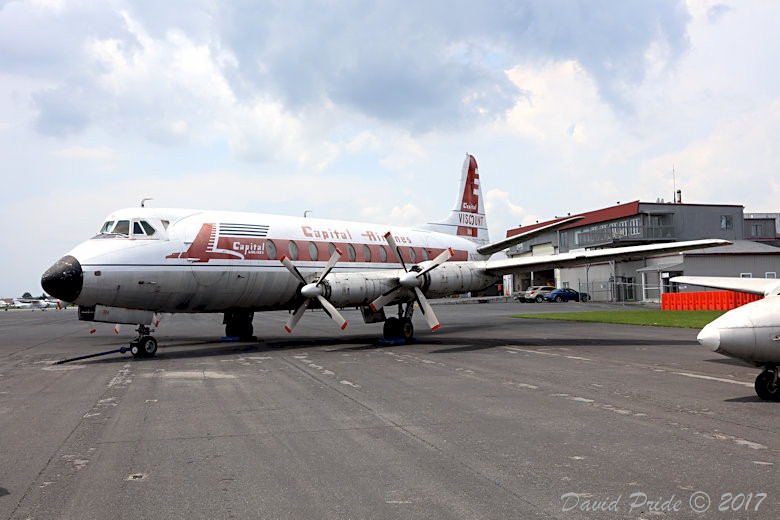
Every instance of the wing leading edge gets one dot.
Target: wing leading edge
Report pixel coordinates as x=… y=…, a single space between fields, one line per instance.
x=528 y=263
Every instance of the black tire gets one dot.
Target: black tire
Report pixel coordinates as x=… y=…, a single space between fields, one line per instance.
x=539 y=299
x=392 y=329
x=583 y=297
x=558 y=299
x=406 y=329
x=144 y=347
x=766 y=387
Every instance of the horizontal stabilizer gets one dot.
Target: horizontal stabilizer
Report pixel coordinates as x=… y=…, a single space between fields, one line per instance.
x=495 y=247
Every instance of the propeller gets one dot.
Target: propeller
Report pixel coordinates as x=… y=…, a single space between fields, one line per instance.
x=313 y=290
x=412 y=280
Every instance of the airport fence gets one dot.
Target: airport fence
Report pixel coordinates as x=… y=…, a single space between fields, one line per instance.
x=617 y=291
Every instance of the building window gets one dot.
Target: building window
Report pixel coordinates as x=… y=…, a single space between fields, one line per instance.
x=726 y=222
x=756 y=230
x=746 y=275
x=772 y=275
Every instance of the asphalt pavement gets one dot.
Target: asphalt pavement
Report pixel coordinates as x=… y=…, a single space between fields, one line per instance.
x=489 y=417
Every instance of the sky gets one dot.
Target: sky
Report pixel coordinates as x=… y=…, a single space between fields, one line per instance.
x=364 y=111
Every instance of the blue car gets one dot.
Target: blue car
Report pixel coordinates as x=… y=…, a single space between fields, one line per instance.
x=565 y=294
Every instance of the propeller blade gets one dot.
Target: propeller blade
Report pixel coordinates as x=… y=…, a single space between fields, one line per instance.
x=294 y=270
x=386 y=298
x=426 y=309
x=440 y=259
x=296 y=316
x=332 y=262
x=332 y=312
x=394 y=246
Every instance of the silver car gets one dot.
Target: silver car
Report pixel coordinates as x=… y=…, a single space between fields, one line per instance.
x=536 y=293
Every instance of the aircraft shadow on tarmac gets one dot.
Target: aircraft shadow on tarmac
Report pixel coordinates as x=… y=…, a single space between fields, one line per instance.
x=210 y=348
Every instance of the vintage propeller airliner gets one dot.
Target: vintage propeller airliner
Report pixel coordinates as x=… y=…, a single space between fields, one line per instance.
x=149 y=260
x=750 y=333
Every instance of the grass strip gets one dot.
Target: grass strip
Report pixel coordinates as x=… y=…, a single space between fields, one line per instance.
x=650 y=318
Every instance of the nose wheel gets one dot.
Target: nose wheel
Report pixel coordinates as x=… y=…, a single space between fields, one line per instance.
x=143 y=346
x=767 y=386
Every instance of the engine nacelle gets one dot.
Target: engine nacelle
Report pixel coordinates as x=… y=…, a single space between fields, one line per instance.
x=360 y=289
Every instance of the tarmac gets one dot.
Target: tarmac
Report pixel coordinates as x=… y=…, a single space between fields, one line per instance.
x=489 y=417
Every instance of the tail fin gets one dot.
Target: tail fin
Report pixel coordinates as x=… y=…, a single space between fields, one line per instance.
x=467 y=218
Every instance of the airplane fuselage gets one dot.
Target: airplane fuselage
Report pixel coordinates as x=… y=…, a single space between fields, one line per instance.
x=205 y=261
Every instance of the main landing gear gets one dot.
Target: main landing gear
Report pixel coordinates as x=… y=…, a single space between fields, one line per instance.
x=400 y=327
x=144 y=345
x=238 y=324
x=767 y=386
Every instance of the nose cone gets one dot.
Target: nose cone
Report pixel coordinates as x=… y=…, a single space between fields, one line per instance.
x=709 y=336
x=64 y=279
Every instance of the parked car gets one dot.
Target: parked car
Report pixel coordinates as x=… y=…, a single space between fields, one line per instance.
x=565 y=294
x=535 y=293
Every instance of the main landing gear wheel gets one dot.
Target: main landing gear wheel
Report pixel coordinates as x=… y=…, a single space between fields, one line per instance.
x=767 y=386
x=399 y=328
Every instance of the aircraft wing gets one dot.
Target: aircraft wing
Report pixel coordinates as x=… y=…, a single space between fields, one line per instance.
x=760 y=286
x=532 y=263
x=495 y=247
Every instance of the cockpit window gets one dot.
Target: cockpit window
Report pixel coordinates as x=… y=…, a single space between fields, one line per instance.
x=148 y=228
x=122 y=227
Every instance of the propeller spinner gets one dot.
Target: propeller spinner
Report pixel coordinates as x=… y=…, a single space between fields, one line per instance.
x=313 y=290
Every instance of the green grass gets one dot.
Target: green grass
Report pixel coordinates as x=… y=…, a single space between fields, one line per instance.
x=651 y=318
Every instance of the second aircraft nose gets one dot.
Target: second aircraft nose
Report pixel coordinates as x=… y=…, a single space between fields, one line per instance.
x=709 y=336
x=64 y=279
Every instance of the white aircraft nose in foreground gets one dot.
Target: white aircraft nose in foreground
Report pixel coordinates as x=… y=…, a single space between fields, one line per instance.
x=147 y=260
x=750 y=333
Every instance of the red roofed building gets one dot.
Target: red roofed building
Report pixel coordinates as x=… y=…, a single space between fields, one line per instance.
x=637 y=223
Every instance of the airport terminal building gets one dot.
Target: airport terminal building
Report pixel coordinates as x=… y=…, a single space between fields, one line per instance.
x=754 y=252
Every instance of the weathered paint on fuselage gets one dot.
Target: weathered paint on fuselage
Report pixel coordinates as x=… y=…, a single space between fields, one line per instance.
x=213 y=261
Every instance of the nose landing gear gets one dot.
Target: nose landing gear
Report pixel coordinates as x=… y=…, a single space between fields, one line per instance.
x=767 y=386
x=144 y=345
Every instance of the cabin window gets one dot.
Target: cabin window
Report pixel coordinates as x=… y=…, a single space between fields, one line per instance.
x=270 y=249
x=383 y=254
x=425 y=256
x=122 y=227
x=293 y=247
x=331 y=248
x=107 y=226
x=137 y=229
x=412 y=255
x=313 y=251
x=366 y=253
x=165 y=224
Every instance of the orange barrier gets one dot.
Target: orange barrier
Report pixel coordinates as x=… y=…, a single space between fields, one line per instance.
x=706 y=301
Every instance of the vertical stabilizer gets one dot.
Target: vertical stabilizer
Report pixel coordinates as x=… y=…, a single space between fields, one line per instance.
x=467 y=218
